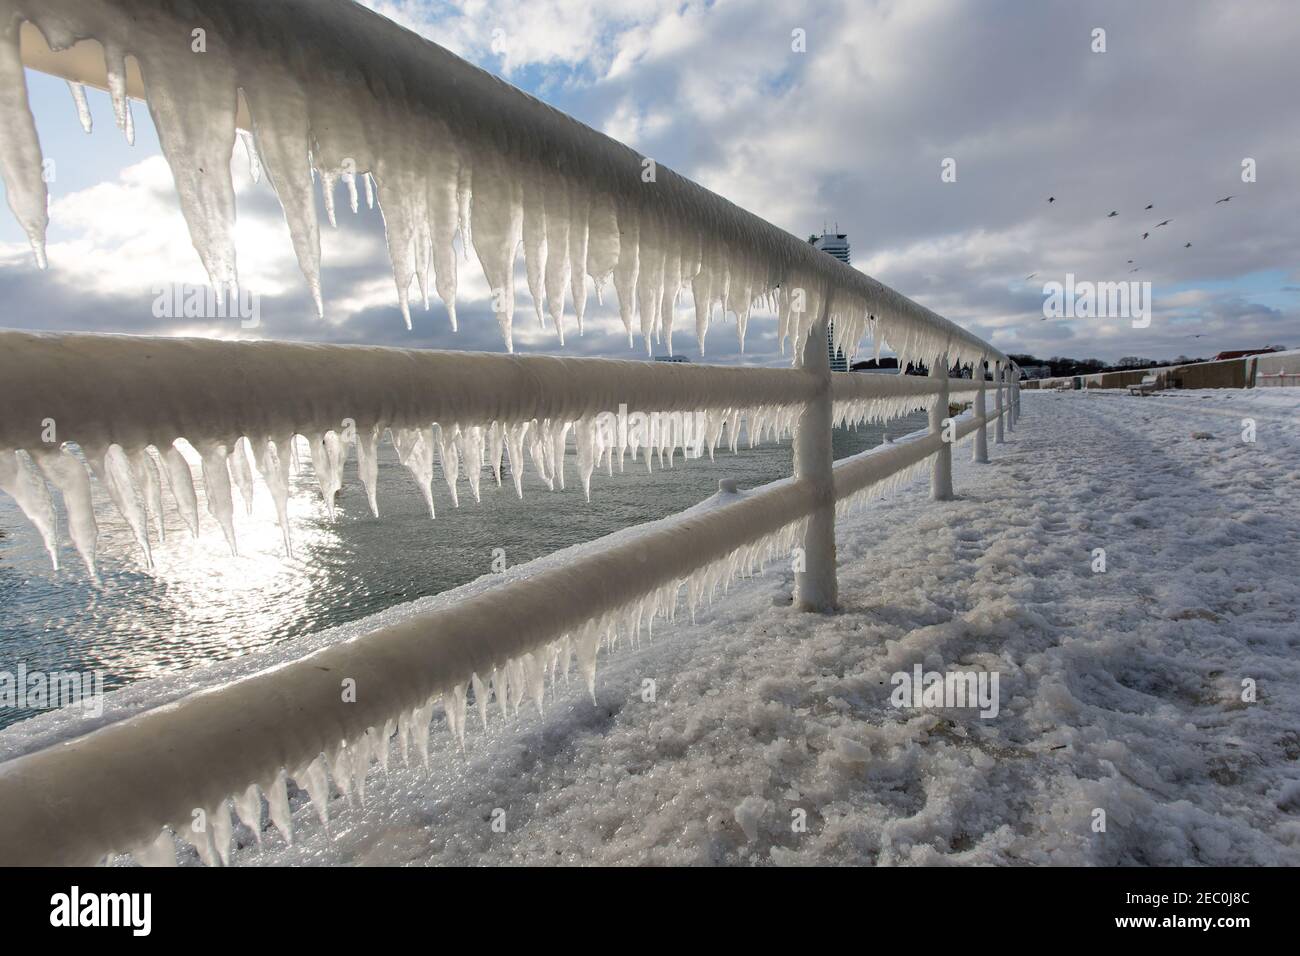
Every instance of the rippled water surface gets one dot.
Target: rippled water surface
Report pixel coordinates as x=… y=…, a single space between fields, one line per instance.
x=199 y=603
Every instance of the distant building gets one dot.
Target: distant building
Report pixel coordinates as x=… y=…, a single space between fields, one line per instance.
x=671 y=358
x=1242 y=353
x=834 y=244
x=889 y=365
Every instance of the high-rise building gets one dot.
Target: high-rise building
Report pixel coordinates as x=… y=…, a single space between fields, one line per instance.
x=834 y=244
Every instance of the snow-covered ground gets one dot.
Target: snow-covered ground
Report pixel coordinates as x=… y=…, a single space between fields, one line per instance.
x=1119 y=691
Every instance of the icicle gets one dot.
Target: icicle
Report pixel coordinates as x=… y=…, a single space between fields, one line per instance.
x=496 y=444
x=241 y=472
x=515 y=448
x=469 y=447
x=443 y=212
x=368 y=463
x=222 y=830
x=535 y=677
x=339 y=762
x=627 y=270
x=20 y=482
x=535 y=246
x=381 y=744
x=497 y=219
x=649 y=286
x=144 y=474
x=455 y=709
x=327 y=182
x=449 y=458
x=559 y=436
x=480 y=699
x=588 y=644
x=313 y=779
x=501 y=690
x=216 y=484
x=360 y=753
x=161 y=851
x=192 y=100
x=115 y=69
x=328 y=455
x=181 y=482
x=558 y=275
x=579 y=208
x=83 y=108
x=277 y=805
x=20 y=150
x=603 y=246
x=397 y=205
x=248 y=807
x=273 y=464
x=255 y=161
x=420 y=730
x=67 y=474
x=282 y=144
x=586 y=448
x=415 y=451
x=350 y=180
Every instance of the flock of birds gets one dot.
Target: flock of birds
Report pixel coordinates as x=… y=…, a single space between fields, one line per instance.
x=1051 y=200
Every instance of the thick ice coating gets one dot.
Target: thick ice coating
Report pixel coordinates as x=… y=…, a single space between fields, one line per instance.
x=241 y=404
x=327 y=86
x=229 y=748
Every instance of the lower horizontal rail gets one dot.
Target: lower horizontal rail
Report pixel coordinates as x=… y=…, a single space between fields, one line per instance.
x=113 y=789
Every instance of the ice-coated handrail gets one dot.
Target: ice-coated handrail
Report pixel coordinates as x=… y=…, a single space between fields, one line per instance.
x=451 y=149
x=325 y=90
x=215 y=749
x=241 y=404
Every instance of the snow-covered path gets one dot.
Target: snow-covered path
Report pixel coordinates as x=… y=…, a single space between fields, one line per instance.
x=1119 y=691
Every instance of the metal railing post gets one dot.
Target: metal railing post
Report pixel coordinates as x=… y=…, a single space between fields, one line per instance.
x=980 y=446
x=998 y=375
x=1011 y=397
x=941 y=474
x=816 y=587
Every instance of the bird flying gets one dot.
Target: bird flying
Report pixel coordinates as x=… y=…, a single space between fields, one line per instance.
x=1151 y=205
x=1165 y=223
x=1224 y=199
x=1145 y=234
x=1112 y=214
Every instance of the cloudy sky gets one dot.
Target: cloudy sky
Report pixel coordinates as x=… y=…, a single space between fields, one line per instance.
x=854 y=130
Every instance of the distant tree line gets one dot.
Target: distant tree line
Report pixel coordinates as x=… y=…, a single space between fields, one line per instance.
x=1061 y=365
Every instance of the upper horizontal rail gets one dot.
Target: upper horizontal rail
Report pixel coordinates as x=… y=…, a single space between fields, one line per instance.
x=365 y=95
x=145 y=390
x=137 y=390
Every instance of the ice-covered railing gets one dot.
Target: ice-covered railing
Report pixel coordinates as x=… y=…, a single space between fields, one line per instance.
x=328 y=92
x=125 y=401
x=236 y=747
